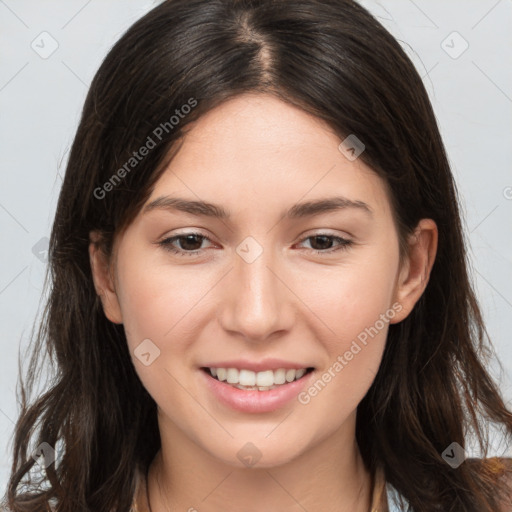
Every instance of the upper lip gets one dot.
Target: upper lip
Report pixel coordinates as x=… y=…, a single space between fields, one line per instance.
x=257 y=366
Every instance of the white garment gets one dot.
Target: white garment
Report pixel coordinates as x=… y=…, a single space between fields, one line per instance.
x=393 y=499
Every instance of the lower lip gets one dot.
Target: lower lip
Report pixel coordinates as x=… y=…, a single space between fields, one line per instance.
x=254 y=401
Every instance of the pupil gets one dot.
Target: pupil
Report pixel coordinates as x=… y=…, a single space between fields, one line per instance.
x=190 y=239
x=325 y=239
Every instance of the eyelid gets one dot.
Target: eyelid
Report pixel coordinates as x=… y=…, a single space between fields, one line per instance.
x=326 y=232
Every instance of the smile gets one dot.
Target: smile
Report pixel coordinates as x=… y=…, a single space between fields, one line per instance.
x=255 y=398
x=262 y=381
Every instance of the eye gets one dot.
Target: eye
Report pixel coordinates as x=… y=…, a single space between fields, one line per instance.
x=323 y=239
x=190 y=243
x=188 y=247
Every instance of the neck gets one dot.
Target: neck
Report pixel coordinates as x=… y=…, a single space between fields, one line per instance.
x=329 y=477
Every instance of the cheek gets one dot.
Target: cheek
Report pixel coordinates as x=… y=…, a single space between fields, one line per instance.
x=360 y=318
x=355 y=302
x=160 y=305
x=361 y=323
x=339 y=387
x=156 y=301
x=351 y=297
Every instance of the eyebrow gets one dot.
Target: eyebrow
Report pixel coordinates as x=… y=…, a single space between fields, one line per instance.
x=300 y=210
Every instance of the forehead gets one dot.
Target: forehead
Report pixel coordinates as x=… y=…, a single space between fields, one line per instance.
x=260 y=125
x=258 y=152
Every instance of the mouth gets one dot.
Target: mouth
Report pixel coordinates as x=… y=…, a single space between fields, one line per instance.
x=249 y=380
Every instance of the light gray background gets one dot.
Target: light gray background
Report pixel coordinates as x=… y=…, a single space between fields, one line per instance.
x=41 y=97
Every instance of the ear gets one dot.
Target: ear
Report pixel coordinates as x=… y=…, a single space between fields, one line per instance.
x=103 y=278
x=415 y=272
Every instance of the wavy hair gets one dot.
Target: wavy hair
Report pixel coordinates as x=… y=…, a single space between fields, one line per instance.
x=332 y=59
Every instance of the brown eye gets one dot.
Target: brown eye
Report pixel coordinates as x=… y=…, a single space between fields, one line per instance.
x=323 y=243
x=189 y=244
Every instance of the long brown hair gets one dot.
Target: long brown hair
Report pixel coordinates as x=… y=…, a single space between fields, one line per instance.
x=334 y=60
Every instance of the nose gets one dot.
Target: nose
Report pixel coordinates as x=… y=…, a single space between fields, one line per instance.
x=257 y=301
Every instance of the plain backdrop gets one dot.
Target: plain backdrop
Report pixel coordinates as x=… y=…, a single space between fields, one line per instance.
x=50 y=50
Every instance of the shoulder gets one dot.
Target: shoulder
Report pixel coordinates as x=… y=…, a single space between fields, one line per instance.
x=499 y=470
x=500 y=467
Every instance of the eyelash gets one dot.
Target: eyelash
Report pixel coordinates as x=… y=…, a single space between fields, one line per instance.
x=344 y=244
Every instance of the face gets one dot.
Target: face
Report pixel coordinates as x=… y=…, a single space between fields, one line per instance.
x=274 y=284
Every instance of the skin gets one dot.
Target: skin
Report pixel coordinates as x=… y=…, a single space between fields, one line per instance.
x=257 y=156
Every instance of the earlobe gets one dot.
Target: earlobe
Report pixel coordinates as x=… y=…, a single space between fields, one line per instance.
x=103 y=279
x=415 y=272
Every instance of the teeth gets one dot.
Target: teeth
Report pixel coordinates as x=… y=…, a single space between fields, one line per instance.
x=264 y=378
x=247 y=379
x=253 y=388
x=280 y=376
x=300 y=373
x=232 y=376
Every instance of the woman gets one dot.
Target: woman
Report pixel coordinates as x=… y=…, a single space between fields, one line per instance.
x=260 y=297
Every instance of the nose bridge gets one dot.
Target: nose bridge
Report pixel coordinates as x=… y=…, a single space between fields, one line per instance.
x=255 y=303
